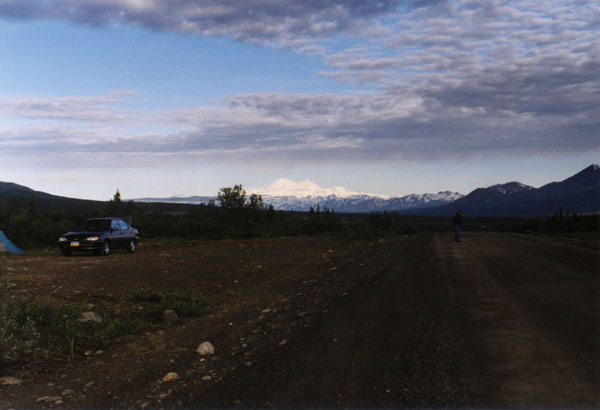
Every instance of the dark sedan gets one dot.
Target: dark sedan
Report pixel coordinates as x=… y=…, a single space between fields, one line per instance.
x=99 y=235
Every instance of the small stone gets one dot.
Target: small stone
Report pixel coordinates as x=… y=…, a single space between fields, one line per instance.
x=91 y=317
x=8 y=380
x=206 y=378
x=283 y=342
x=88 y=352
x=99 y=351
x=170 y=316
x=170 y=377
x=205 y=349
x=266 y=310
x=49 y=399
x=67 y=392
x=248 y=364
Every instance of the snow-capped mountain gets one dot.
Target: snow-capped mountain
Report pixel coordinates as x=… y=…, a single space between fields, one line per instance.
x=581 y=193
x=510 y=188
x=284 y=187
x=287 y=195
x=360 y=203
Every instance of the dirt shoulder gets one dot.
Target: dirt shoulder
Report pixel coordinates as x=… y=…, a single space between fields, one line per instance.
x=258 y=290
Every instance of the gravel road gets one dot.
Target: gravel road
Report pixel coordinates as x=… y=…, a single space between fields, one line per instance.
x=496 y=321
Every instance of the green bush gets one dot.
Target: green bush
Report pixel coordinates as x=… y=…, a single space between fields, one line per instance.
x=145 y=295
x=19 y=335
x=6 y=285
x=118 y=327
x=183 y=303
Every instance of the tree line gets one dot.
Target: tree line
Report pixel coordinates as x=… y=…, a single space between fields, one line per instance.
x=234 y=214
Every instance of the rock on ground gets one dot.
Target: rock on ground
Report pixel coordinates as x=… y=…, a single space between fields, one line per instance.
x=205 y=349
x=170 y=316
x=91 y=317
x=170 y=377
x=10 y=380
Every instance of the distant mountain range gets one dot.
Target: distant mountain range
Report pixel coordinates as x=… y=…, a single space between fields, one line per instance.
x=580 y=193
x=22 y=195
x=360 y=203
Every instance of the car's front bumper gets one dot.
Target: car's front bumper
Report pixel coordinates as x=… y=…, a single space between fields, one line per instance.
x=75 y=246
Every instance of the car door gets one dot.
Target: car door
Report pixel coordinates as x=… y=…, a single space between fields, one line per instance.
x=126 y=231
x=116 y=234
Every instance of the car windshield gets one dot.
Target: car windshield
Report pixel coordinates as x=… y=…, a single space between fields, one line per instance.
x=95 y=225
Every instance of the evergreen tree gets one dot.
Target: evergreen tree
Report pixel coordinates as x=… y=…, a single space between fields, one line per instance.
x=32 y=211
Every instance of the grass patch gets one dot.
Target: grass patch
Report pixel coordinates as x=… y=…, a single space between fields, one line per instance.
x=103 y=294
x=145 y=295
x=183 y=303
x=32 y=330
x=19 y=334
x=122 y=326
x=6 y=285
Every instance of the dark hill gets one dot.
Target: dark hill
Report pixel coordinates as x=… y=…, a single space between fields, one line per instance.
x=580 y=193
x=44 y=201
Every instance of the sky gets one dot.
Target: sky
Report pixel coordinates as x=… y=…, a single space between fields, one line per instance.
x=183 y=97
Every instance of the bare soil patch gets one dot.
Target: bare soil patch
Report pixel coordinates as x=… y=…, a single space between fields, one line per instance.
x=493 y=321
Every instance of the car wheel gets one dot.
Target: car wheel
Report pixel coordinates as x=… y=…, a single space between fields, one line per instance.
x=65 y=253
x=132 y=246
x=106 y=249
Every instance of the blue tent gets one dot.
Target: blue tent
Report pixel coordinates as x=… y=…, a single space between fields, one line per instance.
x=7 y=246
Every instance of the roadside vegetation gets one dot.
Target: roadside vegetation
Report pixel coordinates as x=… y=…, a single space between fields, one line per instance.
x=237 y=215
x=35 y=331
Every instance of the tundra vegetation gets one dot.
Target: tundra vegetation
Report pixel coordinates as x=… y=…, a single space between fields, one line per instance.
x=238 y=215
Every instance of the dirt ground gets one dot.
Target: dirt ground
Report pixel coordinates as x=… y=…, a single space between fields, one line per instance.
x=496 y=321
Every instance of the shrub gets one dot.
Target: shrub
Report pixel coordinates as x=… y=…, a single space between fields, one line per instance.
x=19 y=336
x=118 y=327
x=145 y=295
x=185 y=304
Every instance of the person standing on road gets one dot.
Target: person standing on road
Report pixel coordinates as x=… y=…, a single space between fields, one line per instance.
x=457 y=222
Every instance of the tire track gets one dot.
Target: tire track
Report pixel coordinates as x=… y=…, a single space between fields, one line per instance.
x=511 y=359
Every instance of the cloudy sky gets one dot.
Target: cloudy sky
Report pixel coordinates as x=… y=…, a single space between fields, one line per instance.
x=183 y=97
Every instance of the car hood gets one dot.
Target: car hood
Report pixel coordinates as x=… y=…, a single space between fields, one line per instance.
x=84 y=233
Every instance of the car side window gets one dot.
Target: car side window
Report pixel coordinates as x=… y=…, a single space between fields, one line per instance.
x=123 y=224
x=115 y=224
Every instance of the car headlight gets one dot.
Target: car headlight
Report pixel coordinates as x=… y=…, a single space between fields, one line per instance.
x=92 y=238
x=61 y=239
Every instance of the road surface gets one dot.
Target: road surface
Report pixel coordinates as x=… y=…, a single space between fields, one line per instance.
x=496 y=321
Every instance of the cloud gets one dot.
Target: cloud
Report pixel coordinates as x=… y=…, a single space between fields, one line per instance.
x=441 y=80
x=73 y=108
x=286 y=23
x=277 y=129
